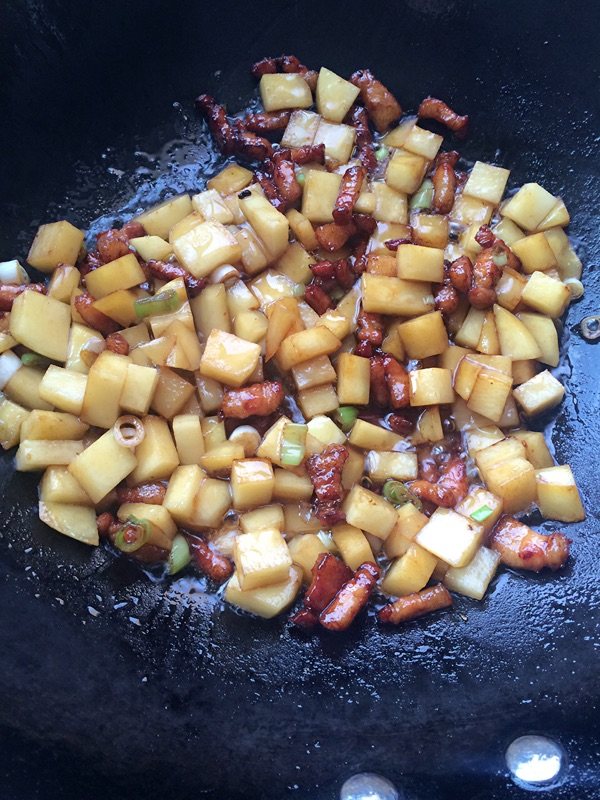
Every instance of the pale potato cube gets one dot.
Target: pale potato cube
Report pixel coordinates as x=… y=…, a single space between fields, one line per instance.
x=261 y=518
x=480 y=438
x=219 y=460
x=319 y=195
x=76 y=521
x=102 y=465
x=252 y=482
x=514 y=482
x=12 y=417
x=424 y=336
x=372 y=437
x=465 y=376
x=353 y=376
x=401 y=466
x=305 y=549
x=210 y=310
x=239 y=298
x=490 y=393
x=270 y=447
x=262 y=558
x=409 y=523
x=392 y=343
x=231 y=179
x=299 y=520
x=557 y=494
x=138 y=389
x=271 y=225
x=211 y=205
x=123 y=273
x=251 y=326
x=229 y=359
x=334 y=95
x=369 y=512
x=557 y=216
x=64 y=281
x=529 y=206
x=405 y=171
x=325 y=431
x=38 y=454
x=320 y=400
x=482 y=506
x=430 y=387
x=301 y=129
x=397 y=136
x=487 y=182
x=295 y=261
x=516 y=340
x=568 y=262
x=536 y=449
x=504 y=450
x=429 y=426
x=469 y=333
x=254 y=256
x=303 y=230
x=423 y=143
x=151 y=247
x=340 y=321
x=159 y=220
x=508 y=231
x=119 y=306
x=383 y=232
x=535 y=253
x=101 y=402
x=544 y=294
x=539 y=393
x=338 y=140
x=353 y=545
x=388 y=205
x=284 y=90
x=314 y=372
x=267 y=601
x=473 y=579
x=353 y=468
x=430 y=230
x=305 y=345
x=189 y=440
x=55 y=243
x=470 y=211
x=171 y=394
x=451 y=537
x=290 y=487
x=79 y=336
x=59 y=486
x=418 y=263
x=182 y=490
x=213 y=431
x=409 y=573
x=52 y=425
x=385 y=295
x=544 y=332
x=185 y=225
x=24 y=388
x=63 y=388
x=42 y=324
x=156 y=455
x=212 y=501
x=205 y=247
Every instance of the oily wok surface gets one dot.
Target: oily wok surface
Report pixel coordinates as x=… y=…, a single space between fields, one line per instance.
x=114 y=686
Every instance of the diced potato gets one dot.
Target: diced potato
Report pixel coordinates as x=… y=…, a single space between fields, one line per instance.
x=557 y=216
x=210 y=205
x=24 y=388
x=304 y=550
x=185 y=225
x=283 y=320
x=189 y=440
x=423 y=143
x=510 y=416
x=385 y=295
x=205 y=247
x=319 y=196
x=270 y=447
x=417 y=263
x=381 y=465
x=314 y=372
x=451 y=537
x=231 y=179
x=239 y=298
x=382 y=264
x=267 y=601
x=473 y=579
x=504 y=450
x=303 y=231
x=392 y=342
x=341 y=320
x=557 y=494
x=536 y=449
x=482 y=506
x=63 y=388
x=353 y=545
x=171 y=394
x=182 y=490
x=409 y=573
x=544 y=332
x=64 y=280
x=490 y=394
x=430 y=230
x=397 y=136
x=301 y=129
x=229 y=359
x=487 y=182
x=489 y=344
x=159 y=220
x=430 y=387
x=59 y=486
x=429 y=425
x=568 y=262
x=151 y=247
x=544 y=294
x=211 y=503
x=306 y=345
x=254 y=255
x=369 y=512
x=78 y=522
x=12 y=417
x=119 y=306
x=42 y=324
x=405 y=171
x=52 y=425
x=271 y=286
x=55 y=243
x=515 y=339
x=480 y=438
x=262 y=558
x=535 y=253
x=334 y=95
x=252 y=482
x=465 y=376
x=529 y=206
x=424 y=336
x=138 y=389
x=102 y=465
x=338 y=140
x=163 y=529
x=353 y=468
x=508 y=231
x=325 y=431
x=514 y=482
x=219 y=460
x=261 y=518
x=390 y=205
x=297 y=520
x=123 y=273
x=372 y=437
x=37 y=454
x=539 y=393
x=101 y=402
x=210 y=310
x=295 y=261
x=156 y=454
x=290 y=487
x=510 y=288
x=409 y=523
x=271 y=225
x=319 y=400
x=381 y=234
x=470 y=211
x=353 y=376
x=469 y=333
x=79 y=336
x=288 y=90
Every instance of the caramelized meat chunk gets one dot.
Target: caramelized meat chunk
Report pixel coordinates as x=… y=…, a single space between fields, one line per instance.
x=460 y=274
x=317 y=298
x=432 y=108
x=329 y=574
x=416 y=605
x=522 y=548
x=350 y=186
x=370 y=328
x=170 y=271
x=215 y=565
x=260 y=399
x=351 y=598
x=396 y=378
x=84 y=306
x=151 y=492
x=381 y=105
x=449 y=489
x=444 y=184
x=359 y=118
x=332 y=236
x=267 y=121
x=325 y=473
x=380 y=395
x=117 y=343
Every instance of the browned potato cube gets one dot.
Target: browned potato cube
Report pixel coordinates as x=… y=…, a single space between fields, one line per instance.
x=262 y=558
x=431 y=387
x=252 y=482
x=305 y=345
x=55 y=243
x=417 y=263
x=514 y=482
x=546 y=295
x=539 y=393
x=229 y=359
x=424 y=336
x=369 y=512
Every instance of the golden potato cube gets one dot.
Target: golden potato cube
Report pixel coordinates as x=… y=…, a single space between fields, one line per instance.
x=79 y=336
x=262 y=558
x=429 y=425
x=470 y=211
x=544 y=294
x=304 y=550
x=539 y=393
x=535 y=253
x=479 y=438
x=504 y=450
x=514 y=482
x=163 y=529
x=353 y=545
x=267 y=601
x=392 y=343
x=451 y=537
x=63 y=388
x=12 y=417
x=409 y=573
x=430 y=387
x=210 y=205
x=536 y=449
x=515 y=339
x=211 y=503
x=52 y=425
x=487 y=182
x=325 y=431
x=568 y=262
x=138 y=389
x=123 y=273
x=417 y=263
x=319 y=196
x=305 y=345
x=557 y=494
x=76 y=521
x=452 y=357
x=314 y=372
x=465 y=376
x=219 y=460
x=64 y=280
x=482 y=506
x=382 y=465
x=557 y=216
x=338 y=140
x=382 y=264
x=205 y=247
x=59 y=486
x=529 y=206
x=41 y=324
x=490 y=394
x=381 y=234
x=295 y=521
x=304 y=232
x=353 y=468
x=334 y=95
x=430 y=230
x=424 y=336
x=301 y=129
x=389 y=205
x=384 y=295
x=409 y=523
x=252 y=482
x=353 y=378
x=508 y=231
x=55 y=243
x=544 y=332
x=320 y=400
x=119 y=306
x=182 y=490
x=211 y=311
x=159 y=220
x=105 y=382
x=151 y=247
x=369 y=512
x=372 y=437
x=171 y=394
x=229 y=359
x=271 y=225
x=469 y=333
x=489 y=343
x=397 y=136
x=238 y=298
x=295 y=261
x=251 y=326
x=288 y=90
x=261 y=518
x=38 y=454
x=290 y=487
x=423 y=143
x=102 y=465
x=270 y=447
x=185 y=225
x=405 y=171
x=156 y=454
x=340 y=321
x=473 y=579
x=188 y=438
x=231 y=179
x=25 y=386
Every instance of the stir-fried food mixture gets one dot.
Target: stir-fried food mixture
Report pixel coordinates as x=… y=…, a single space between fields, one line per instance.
x=310 y=381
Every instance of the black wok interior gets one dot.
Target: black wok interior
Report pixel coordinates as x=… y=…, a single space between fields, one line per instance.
x=112 y=686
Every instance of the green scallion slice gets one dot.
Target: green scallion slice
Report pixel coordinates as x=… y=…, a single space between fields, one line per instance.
x=162 y=303
x=133 y=534
x=346 y=417
x=500 y=259
x=381 y=153
x=399 y=494
x=180 y=556
x=300 y=177
x=423 y=197
x=34 y=360
x=482 y=513
x=293 y=442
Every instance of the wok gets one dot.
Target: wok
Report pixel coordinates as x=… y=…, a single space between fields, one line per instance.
x=116 y=687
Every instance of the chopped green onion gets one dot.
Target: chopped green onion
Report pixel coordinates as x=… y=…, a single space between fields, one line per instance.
x=179 y=557
x=300 y=177
x=133 y=534
x=399 y=494
x=293 y=444
x=500 y=259
x=482 y=514
x=423 y=197
x=346 y=417
x=161 y=303
x=381 y=153
x=34 y=360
